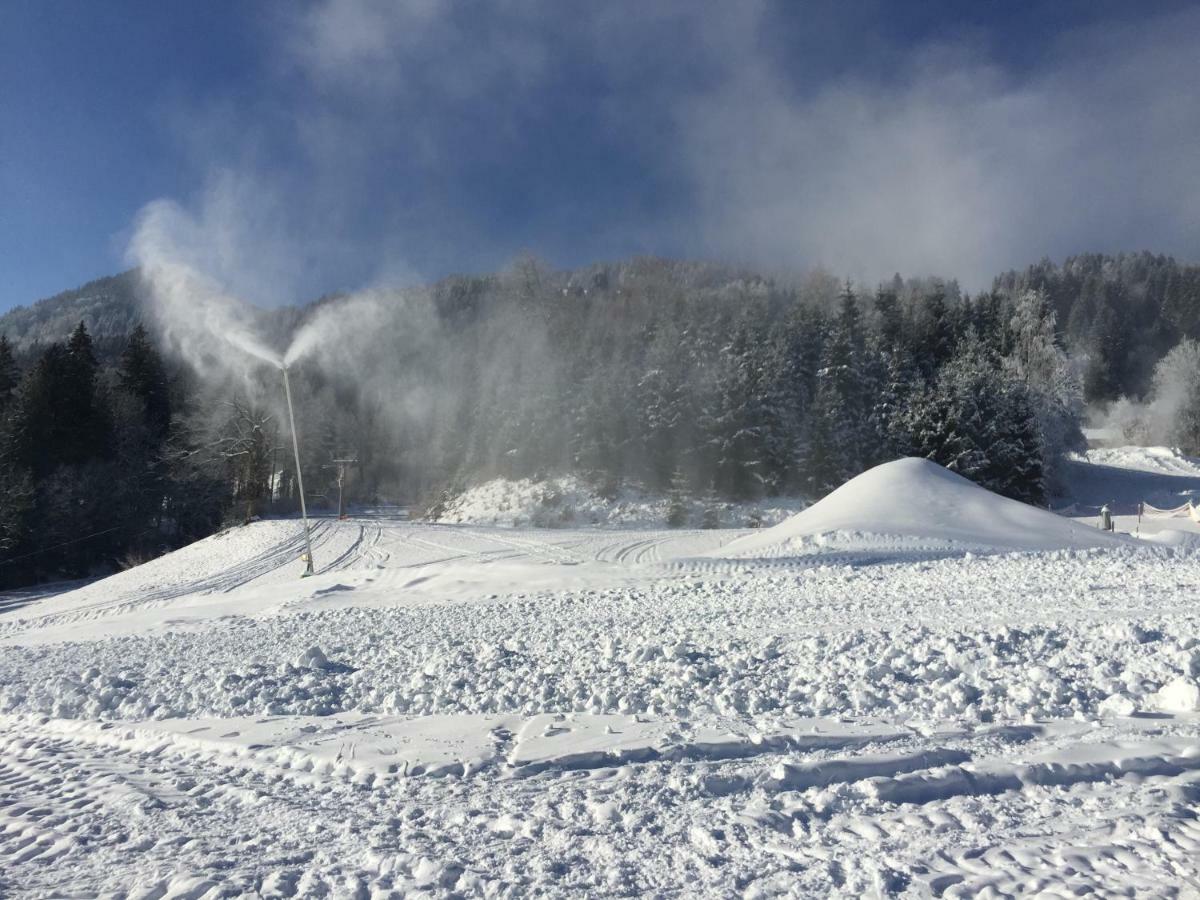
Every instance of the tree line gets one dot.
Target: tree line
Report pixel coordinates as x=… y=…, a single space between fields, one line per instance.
x=99 y=466
x=680 y=377
x=770 y=394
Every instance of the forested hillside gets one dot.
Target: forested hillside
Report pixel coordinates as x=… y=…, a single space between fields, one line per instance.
x=679 y=377
x=111 y=308
x=1118 y=314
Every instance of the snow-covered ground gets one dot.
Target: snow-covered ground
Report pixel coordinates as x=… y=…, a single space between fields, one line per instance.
x=911 y=688
x=1124 y=476
x=571 y=502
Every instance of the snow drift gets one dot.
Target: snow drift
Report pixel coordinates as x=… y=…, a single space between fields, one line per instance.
x=924 y=506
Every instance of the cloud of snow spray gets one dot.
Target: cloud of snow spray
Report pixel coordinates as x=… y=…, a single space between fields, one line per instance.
x=201 y=267
x=211 y=269
x=1174 y=392
x=199 y=318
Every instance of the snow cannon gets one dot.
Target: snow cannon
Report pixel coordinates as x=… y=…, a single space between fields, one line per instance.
x=308 y=555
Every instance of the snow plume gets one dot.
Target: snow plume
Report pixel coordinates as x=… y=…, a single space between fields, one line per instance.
x=358 y=334
x=350 y=345
x=1169 y=416
x=200 y=320
x=211 y=267
x=217 y=269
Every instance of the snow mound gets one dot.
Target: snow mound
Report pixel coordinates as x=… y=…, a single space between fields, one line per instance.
x=924 y=506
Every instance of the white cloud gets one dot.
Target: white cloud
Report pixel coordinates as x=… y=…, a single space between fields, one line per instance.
x=386 y=132
x=954 y=166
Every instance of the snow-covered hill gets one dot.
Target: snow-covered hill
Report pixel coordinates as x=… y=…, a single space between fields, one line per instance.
x=919 y=505
x=500 y=711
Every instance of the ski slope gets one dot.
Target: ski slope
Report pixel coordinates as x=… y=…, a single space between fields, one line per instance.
x=880 y=696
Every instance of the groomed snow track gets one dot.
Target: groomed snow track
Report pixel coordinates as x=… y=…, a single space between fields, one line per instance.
x=481 y=711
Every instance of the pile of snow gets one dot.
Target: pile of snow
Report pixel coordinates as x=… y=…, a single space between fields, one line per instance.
x=570 y=501
x=925 y=505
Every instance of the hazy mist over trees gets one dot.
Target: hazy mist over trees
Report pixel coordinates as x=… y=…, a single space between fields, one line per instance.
x=679 y=377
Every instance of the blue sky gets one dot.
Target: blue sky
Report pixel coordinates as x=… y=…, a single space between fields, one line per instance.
x=295 y=149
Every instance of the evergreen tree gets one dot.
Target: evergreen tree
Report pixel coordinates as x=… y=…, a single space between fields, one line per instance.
x=935 y=343
x=86 y=413
x=840 y=444
x=784 y=402
x=712 y=509
x=10 y=376
x=1175 y=397
x=981 y=423
x=890 y=320
x=16 y=504
x=677 y=499
x=144 y=376
x=1040 y=364
x=900 y=383
x=734 y=421
x=43 y=435
x=666 y=411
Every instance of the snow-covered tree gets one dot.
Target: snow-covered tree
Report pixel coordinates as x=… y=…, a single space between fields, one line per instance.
x=982 y=423
x=840 y=443
x=1174 y=412
x=1038 y=362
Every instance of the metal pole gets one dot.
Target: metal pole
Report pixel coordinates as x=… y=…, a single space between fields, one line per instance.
x=341 y=467
x=274 y=474
x=287 y=390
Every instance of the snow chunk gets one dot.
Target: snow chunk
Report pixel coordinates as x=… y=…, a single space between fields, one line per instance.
x=1117 y=705
x=313 y=658
x=1179 y=696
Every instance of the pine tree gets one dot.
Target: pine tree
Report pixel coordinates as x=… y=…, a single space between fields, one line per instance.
x=712 y=509
x=143 y=375
x=1176 y=396
x=981 y=423
x=733 y=423
x=10 y=375
x=899 y=384
x=87 y=417
x=840 y=433
x=666 y=413
x=1040 y=364
x=16 y=504
x=935 y=342
x=677 y=499
x=889 y=318
x=784 y=402
x=43 y=435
